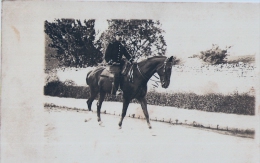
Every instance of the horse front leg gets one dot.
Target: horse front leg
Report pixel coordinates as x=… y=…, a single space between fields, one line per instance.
x=125 y=106
x=143 y=103
x=99 y=104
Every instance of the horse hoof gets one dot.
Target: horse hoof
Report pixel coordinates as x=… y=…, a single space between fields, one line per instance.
x=101 y=124
x=150 y=127
x=86 y=120
x=120 y=127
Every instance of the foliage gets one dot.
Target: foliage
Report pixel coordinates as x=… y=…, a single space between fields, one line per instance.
x=177 y=61
x=245 y=59
x=51 y=76
x=141 y=37
x=233 y=103
x=215 y=55
x=60 y=89
x=74 y=42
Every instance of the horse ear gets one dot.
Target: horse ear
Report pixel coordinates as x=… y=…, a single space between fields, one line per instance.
x=170 y=59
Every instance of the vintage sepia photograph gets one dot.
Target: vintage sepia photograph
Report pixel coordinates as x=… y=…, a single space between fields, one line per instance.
x=130 y=82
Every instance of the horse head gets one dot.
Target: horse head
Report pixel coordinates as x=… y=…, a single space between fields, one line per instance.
x=165 y=71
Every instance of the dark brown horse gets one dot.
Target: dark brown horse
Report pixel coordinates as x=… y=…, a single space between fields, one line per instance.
x=135 y=89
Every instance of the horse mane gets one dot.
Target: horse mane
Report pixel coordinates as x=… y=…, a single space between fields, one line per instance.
x=153 y=57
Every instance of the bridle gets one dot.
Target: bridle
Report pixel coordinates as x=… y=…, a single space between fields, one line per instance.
x=164 y=66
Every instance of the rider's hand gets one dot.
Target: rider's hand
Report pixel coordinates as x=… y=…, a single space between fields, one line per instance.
x=110 y=62
x=115 y=64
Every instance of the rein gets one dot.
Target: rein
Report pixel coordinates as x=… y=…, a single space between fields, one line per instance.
x=142 y=74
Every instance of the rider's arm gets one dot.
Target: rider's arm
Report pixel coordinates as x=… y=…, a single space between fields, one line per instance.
x=127 y=55
x=108 y=53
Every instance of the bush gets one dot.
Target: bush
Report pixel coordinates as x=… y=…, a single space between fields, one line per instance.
x=59 y=89
x=233 y=103
x=248 y=59
x=213 y=56
x=51 y=76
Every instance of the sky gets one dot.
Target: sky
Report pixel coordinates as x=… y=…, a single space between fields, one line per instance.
x=189 y=30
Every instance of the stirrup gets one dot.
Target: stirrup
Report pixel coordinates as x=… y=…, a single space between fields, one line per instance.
x=119 y=92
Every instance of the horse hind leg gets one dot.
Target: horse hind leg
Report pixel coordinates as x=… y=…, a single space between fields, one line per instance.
x=89 y=103
x=93 y=95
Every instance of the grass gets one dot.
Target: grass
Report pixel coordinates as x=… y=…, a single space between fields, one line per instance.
x=234 y=103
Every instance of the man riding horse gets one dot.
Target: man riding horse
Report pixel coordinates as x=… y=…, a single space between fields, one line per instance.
x=113 y=56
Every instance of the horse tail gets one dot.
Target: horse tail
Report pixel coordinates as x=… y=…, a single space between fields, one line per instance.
x=87 y=81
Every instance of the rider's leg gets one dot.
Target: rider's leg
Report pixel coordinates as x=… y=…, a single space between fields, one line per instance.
x=116 y=89
x=116 y=81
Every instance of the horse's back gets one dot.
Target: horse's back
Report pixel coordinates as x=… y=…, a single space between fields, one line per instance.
x=93 y=75
x=87 y=81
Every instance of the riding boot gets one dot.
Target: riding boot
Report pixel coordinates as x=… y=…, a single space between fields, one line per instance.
x=115 y=70
x=115 y=85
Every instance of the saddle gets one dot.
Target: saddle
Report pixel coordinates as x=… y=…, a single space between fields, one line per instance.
x=111 y=71
x=126 y=68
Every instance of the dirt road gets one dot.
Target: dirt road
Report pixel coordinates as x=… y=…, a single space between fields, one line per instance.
x=68 y=139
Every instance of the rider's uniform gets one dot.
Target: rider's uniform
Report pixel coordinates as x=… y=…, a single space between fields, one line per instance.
x=114 y=53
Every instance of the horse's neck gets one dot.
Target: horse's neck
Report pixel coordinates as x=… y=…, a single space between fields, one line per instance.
x=149 y=68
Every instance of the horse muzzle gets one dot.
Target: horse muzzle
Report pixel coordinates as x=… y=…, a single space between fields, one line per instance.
x=165 y=84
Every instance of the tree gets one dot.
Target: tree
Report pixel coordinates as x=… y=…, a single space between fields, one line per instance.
x=141 y=37
x=74 y=42
x=215 y=55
